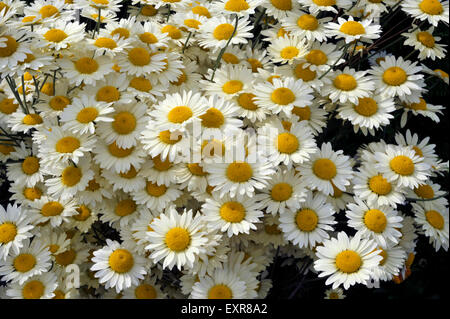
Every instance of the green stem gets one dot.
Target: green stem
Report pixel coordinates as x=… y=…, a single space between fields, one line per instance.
x=186 y=42
x=334 y=64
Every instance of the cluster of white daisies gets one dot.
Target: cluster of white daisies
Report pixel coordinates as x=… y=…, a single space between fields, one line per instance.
x=98 y=114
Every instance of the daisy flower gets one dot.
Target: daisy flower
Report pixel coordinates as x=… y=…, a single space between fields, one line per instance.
x=55 y=211
x=81 y=115
x=241 y=8
x=233 y=216
x=22 y=122
x=433 y=221
x=369 y=114
x=326 y=168
x=217 y=31
x=441 y=74
x=159 y=171
x=379 y=223
x=149 y=34
x=229 y=81
x=108 y=45
x=69 y=179
x=312 y=114
x=116 y=267
x=432 y=11
x=11 y=50
x=409 y=236
x=421 y=148
x=288 y=146
x=421 y=108
x=425 y=43
x=320 y=57
x=192 y=176
x=120 y=211
x=28 y=172
x=393 y=260
x=84 y=218
x=284 y=191
x=316 y=6
x=401 y=164
x=163 y=143
x=146 y=88
x=156 y=197
x=348 y=85
x=371 y=186
x=337 y=293
x=140 y=60
x=287 y=49
x=223 y=284
x=347 y=261
x=307 y=226
x=352 y=30
x=33 y=259
x=111 y=156
x=60 y=34
x=111 y=89
x=307 y=25
x=61 y=146
x=128 y=122
x=146 y=289
x=35 y=287
x=15 y=225
x=128 y=181
x=398 y=78
x=429 y=191
x=282 y=95
x=248 y=109
x=176 y=238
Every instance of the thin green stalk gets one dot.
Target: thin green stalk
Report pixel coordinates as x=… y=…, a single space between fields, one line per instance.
x=219 y=58
x=24 y=95
x=186 y=42
x=12 y=86
x=334 y=64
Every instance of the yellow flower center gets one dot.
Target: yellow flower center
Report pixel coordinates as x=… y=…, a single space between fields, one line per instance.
x=117 y=151
x=24 y=262
x=8 y=232
x=6 y=149
x=131 y=173
x=223 y=31
x=145 y=291
x=213 y=118
x=51 y=209
x=196 y=169
x=149 y=11
x=7 y=106
x=201 y=11
x=167 y=138
x=86 y=65
x=366 y=106
x=232 y=86
x=375 y=220
x=245 y=100
x=281 y=192
x=442 y=73
x=141 y=84
x=49 y=11
x=379 y=185
x=33 y=290
x=402 y=165
x=122 y=32
x=93 y=185
x=124 y=123
x=32 y=193
x=352 y=28
x=284 y=5
x=324 y=3
x=121 y=261
x=308 y=22
x=71 y=176
x=230 y=58
x=55 y=35
x=232 y=212
x=287 y=143
x=394 y=76
x=59 y=294
x=337 y=193
x=431 y=7
x=154 y=190
x=87 y=115
x=270 y=78
x=348 y=261
x=179 y=114
x=282 y=96
x=304 y=113
x=345 y=82
x=421 y=106
x=435 y=219
x=418 y=151
x=304 y=73
x=239 y=172
x=272 y=229
x=10 y=48
x=59 y=102
x=160 y=165
x=424 y=191
x=66 y=258
x=255 y=64
x=172 y=31
x=306 y=220
x=47 y=89
x=236 y=5
x=148 y=38
x=105 y=43
x=67 y=144
x=426 y=39
x=139 y=56
x=221 y=291
x=30 y=165
x=83 y=213
x=289 y=52
x=178 y=239
x=324 y=168
x=125 y=207
x=181 y=79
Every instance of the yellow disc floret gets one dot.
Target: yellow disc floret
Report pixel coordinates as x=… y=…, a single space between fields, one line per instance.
x=121 y=261
x=178 y=239
x=232 y=212
x=306 y=220
x=239 y=172
x=348 y=261
x=324 y=168
x=402 y=165
x=375 y=220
